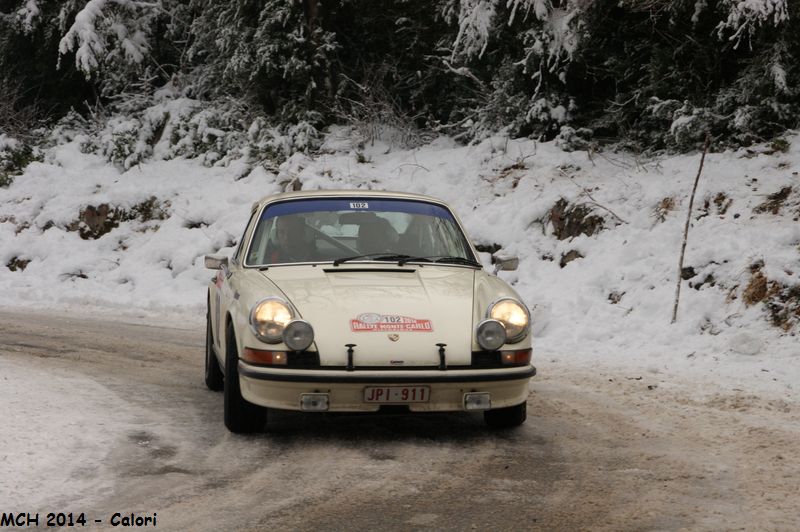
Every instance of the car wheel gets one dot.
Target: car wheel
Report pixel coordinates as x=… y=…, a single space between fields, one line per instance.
x=214 y=375
x=504 y=418
x=240 y=416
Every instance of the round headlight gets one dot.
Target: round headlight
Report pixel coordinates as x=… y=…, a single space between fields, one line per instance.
x=491 y=334
x=298 y=335
x=514 y=317
x=268 y=319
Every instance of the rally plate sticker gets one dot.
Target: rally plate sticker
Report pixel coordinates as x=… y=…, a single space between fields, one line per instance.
x=374 y=322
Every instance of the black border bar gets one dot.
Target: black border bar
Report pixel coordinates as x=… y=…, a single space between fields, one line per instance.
x=354 y=377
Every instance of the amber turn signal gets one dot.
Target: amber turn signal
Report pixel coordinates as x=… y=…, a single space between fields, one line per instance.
x=260 y=356
x=519 y=356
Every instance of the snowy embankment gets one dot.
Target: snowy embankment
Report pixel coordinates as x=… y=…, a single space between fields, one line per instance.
x=77 y=233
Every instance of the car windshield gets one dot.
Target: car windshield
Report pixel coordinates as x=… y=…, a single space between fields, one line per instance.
x=337 y=230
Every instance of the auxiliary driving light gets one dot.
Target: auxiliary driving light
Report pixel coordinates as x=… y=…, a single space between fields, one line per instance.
x=491 y=335
x=298 y=335
x=314 y=402
x=477 y=401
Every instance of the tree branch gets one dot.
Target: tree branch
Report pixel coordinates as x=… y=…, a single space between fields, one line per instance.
x=686 y=230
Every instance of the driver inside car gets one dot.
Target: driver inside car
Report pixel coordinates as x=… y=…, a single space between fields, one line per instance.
x=290 y=232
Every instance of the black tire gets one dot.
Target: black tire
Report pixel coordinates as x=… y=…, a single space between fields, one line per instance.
x=240 y=415
x=214 y=376
x=506 y=418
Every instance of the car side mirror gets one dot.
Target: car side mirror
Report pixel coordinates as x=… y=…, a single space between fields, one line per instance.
x=506 y=263
x=216 y=262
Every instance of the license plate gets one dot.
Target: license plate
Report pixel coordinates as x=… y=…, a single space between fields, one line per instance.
x=397 y=394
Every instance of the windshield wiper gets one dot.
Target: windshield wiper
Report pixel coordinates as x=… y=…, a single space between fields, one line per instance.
x=402 y=260
x=457 y=260
x=373 y=256
x=408 y=258
x=443 y=259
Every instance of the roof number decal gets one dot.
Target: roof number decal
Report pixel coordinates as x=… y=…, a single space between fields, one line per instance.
x=372 y=322
x=359 y=205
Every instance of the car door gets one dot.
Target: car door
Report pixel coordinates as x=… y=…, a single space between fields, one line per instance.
x=221 y=294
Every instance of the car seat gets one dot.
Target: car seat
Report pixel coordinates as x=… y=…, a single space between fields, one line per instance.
x=376 y=236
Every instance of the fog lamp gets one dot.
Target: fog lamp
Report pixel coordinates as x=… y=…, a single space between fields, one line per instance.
x=491 y=334
x=298 y=335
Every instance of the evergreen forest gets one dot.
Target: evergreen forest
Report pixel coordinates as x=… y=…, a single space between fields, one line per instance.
x=266 y=77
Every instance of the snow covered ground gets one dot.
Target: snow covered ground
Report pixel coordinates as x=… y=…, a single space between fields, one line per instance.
x=105 y=416
x=80 y=411
x=611 y=307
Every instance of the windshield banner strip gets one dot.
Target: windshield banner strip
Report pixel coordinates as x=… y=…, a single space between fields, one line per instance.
x=356 y=205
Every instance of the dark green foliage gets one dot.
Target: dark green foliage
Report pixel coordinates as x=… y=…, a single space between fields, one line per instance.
x=13 y=161
x=640 y=69
x=646 y=74
x=29 y=57
x=276 y=53
x=389 y=51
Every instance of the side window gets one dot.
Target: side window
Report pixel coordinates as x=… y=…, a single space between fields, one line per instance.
x=258 y=244
x=239 y=253
x=450 y=238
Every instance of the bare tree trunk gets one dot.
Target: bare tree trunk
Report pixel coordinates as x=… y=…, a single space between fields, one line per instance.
x=312 y=12
x=686 y=230
x=311 y=9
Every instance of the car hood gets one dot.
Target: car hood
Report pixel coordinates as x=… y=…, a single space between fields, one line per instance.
x=395 y=316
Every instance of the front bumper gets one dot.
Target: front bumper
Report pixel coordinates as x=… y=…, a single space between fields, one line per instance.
x=282 y=388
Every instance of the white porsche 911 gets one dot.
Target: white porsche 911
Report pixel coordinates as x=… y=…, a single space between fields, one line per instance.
x=349 y=301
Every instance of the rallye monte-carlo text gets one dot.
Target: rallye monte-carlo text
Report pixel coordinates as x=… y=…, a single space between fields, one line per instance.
x=346 y=301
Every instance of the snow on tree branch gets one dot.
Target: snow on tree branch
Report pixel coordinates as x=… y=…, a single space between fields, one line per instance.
x=27 y=14
x=105 y=30
x=557 y=26
x=560 y=25
x=540 y=8
x=745 y=16
x=474 y=21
